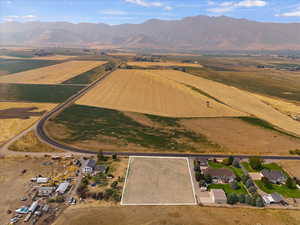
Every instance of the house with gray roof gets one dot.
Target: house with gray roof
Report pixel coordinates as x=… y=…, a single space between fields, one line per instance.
x=274 y=176
x=220 y=175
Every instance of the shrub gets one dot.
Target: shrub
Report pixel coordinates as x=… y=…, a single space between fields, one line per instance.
x=232 y=199
x=252 y=189
x=256 y=163
x=198 y=176
x=236 y=163
x=208 y=178
x=234 y=185
x=248 y=199
x=259 y=202
x=249 y=183
x=114 y=184
x=242 y=198
x=290 y=183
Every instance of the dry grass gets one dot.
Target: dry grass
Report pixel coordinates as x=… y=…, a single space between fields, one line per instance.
x=54 y=57
x=175 y=215
x=12 y=127
x=122 y=53
x=239 y=137
x=291 y=166
x=144 y=91
x=283 y=106
x=236 y=98
x=162 y=64
x=167 y=180
x=9 y=57
x=30 y=143
x=54 y=74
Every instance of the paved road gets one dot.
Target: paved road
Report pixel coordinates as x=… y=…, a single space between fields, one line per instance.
x=42 y=135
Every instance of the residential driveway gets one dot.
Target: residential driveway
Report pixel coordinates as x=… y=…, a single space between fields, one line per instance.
x=255 y=176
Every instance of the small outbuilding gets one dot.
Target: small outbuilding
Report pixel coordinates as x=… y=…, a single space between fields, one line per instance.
x=218 y=196
x=42 y=180
x=101 y=169
x=45 y=191
x=62 y=188
x=274 y=198
x=89 y=166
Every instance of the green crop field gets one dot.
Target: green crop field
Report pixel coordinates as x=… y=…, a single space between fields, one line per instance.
x=8 y=66
x=36 y=92
x=89 y=123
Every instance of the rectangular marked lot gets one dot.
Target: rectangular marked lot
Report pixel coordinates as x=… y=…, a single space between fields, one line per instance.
x=158 y=181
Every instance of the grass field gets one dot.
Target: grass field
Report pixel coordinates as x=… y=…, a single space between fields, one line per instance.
x=148 y=92
x=30 y=143
x=175 y=215
x=228 y=190
x=114 y=130
x=12 y=126
x=15 y=66
x=281 y=189
x=167 y=180
x=87 y=77
x=162 y=64
x=236 y=98
x=37 y=93
x=54 y=74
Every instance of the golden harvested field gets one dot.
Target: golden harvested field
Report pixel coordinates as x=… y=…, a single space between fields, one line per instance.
x=162 y=64
x=235 y=98
x=54 y=74
x=93 y=214
x=9 y=57
x=144 y=91
x=291 y=166
x=54 y=57
x=15 y=124
x=285 y=107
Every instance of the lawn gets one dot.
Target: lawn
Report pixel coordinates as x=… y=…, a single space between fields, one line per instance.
x=237 y=171
x=227 y=189
x=281 y=189
x=269 y=166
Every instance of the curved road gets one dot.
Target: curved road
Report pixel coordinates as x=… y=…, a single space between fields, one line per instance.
x=42 y=135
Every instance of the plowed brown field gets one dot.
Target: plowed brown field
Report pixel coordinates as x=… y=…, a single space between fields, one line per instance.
x=145 y=92
x=51 y=74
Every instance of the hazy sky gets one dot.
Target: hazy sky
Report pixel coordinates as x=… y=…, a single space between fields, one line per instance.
x=137 y=11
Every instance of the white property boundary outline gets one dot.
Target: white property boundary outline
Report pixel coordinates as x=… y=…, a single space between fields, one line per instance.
x=158 y=157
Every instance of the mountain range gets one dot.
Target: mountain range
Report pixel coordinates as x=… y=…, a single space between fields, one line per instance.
x=197 y=33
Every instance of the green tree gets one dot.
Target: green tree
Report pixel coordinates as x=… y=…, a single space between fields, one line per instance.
x=256 y=163
x=114 y=156
x=248 y=199
x=244 y=179
x=249 y=183
x=252 y=189
x=242 y=198
x=232 y=199
x=198 y=176
x=266 y=182
x=236 y=163
x=259 y=202
x=290 y=183
x=234 y=185
x=208 y=178
x=100 y=156
x=114 y=184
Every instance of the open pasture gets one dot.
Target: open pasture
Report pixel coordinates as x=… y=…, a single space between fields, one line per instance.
x=36 y=92
x=162 y=64
x=158 y=181
x=54 y=74
x=235 y=98
x=148 y=92
x=16 y=117
x=9 y=66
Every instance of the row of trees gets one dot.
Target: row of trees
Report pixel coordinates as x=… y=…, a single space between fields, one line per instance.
x=254 y=200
